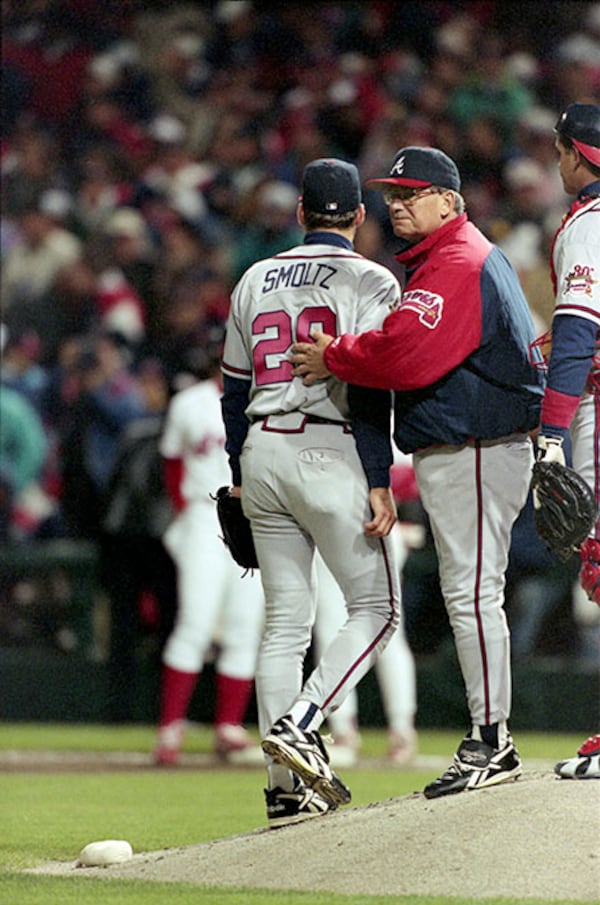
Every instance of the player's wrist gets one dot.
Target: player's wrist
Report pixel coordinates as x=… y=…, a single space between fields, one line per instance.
x=553 y=432
x=550 y=446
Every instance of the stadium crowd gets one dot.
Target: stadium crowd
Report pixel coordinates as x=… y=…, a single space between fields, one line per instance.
x=151 y=153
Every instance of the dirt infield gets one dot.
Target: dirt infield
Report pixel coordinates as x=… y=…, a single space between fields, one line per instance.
x=537 y=837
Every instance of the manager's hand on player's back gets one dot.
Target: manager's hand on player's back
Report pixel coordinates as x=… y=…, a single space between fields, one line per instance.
x=307 y=358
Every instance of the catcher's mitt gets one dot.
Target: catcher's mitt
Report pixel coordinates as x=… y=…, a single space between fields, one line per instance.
x=237 y=535
x=564 y=507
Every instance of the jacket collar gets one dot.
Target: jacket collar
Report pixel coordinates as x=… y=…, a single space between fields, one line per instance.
x=412 y=255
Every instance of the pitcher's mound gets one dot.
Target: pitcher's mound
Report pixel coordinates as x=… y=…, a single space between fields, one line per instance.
x=538 y=837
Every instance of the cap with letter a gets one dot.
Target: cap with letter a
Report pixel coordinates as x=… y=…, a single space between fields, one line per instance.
x=330 y=186
x=581 y=124
x=418 y=167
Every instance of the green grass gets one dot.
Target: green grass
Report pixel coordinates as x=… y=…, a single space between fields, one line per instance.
x=140 y=738
x=67 y=891
x=51 y=816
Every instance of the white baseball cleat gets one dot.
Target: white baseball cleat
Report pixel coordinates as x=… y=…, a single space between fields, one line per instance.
x=586 y=765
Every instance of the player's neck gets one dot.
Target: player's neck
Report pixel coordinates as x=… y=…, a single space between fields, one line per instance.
x=340 y=238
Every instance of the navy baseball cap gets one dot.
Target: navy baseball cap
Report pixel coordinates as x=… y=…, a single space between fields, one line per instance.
x=330 y=186
x=581 y=123
x=419 y=167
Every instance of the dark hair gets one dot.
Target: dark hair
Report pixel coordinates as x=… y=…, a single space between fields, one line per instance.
x=314 y=221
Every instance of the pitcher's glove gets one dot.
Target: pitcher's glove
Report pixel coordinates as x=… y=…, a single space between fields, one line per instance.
x=237 y=535
x=564 y=507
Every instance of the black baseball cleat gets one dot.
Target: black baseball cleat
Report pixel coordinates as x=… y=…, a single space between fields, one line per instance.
x=300 y=804
x=305 y=754
x=477 y=765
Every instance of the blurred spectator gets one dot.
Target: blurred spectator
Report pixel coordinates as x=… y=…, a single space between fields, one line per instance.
x=103 y=183
x=131 y=249
x=483 y=156
x=193 y=321
x=535 y=141
x=109 y=398
x=68 y=308
x=20 y=369
x=31 y=163
x=120 y=308
x=171 y=42
x=48 y=52
x=234 y=39
x=269 y=225
x=104 y=120
x=489 y=89
x=136 y=570
x=23 y=450
x=182 y=252
x=173 y=171
x=576 y=71
x=519 y=224
x=42 y=248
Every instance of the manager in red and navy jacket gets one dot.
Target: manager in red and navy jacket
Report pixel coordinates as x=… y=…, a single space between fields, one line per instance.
x=455 y=352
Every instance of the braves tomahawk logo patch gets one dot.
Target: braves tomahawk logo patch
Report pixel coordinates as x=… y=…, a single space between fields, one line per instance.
x=428 y=305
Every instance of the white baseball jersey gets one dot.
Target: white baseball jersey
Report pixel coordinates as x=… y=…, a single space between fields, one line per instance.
x=575 y=259
x=576 y=275
x=279 y=301
x=194 y=432
x=576 y=267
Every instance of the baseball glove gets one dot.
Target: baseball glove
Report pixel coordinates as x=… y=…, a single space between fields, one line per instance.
x=237 y=535
x=564 y=507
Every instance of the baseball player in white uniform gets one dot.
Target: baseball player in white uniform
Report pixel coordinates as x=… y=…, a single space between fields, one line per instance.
x=304 y=486
x=215 y=603
x=572 y=397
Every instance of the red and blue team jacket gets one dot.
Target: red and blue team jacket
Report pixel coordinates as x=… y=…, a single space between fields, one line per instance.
x=455 y=350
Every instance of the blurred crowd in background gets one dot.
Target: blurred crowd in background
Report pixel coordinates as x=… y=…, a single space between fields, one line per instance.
x=150 y=153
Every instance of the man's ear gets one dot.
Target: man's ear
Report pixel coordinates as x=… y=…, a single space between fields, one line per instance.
x=448 y=205
x=300 y=214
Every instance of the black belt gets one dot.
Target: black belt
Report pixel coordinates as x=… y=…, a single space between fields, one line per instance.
x=307 y=419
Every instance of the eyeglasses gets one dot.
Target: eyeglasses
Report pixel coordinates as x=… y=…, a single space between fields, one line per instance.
x=408 y=197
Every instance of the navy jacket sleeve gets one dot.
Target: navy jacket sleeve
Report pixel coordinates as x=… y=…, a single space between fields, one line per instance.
x=234 y=402
x=370 y=415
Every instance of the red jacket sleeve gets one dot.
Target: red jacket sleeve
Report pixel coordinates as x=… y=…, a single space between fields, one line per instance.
x=427 y=336
x=173 y=477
